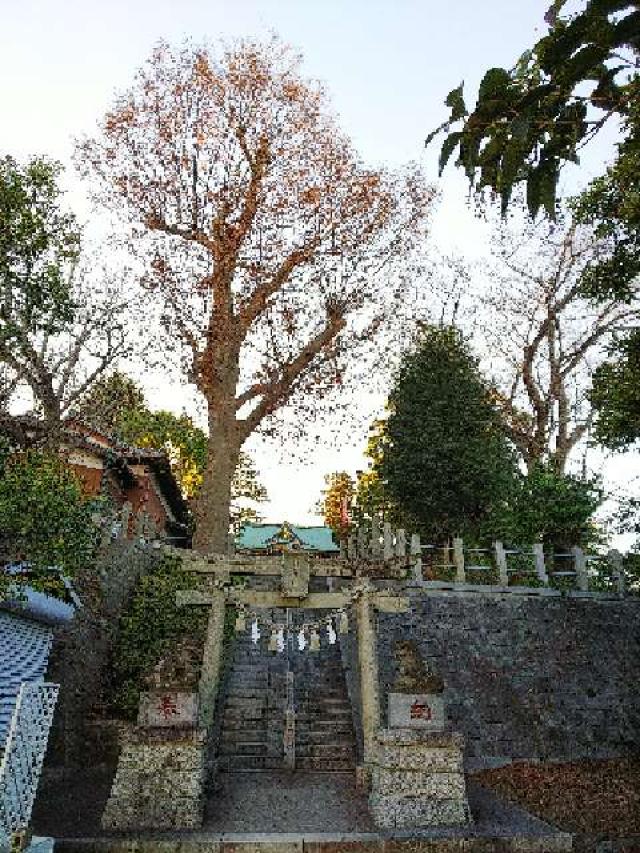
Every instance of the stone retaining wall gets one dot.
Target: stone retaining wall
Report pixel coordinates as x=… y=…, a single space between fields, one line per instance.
x=527 y=676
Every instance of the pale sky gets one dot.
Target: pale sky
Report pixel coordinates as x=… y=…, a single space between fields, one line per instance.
x=387 y=67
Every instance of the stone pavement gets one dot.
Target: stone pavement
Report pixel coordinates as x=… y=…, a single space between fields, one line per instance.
x=282 y=801
x=321 y=813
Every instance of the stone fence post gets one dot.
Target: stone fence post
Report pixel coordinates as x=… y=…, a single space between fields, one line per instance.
x=361 y=544
x=501 y=563
x=375 y=538
x=401 y=543
x=416 y=554
x=580 y=566
x=541 y=571
x=458 y=559
x=387 y=542
x=615 y=561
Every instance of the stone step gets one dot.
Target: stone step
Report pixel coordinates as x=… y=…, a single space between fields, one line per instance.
x=253 y=717
x=315 y=739
x=248 y=684
x=241 y=703
x=329 y=751
x=323 y=732
x=244 y=748
x=317 y=709
x=341 y=713
x=248 y=762
x=234 y=717
x=328 y=695
x=250 y=698
x=240 y=722
x=251 y=668
x=248 y=691
x=325 y=765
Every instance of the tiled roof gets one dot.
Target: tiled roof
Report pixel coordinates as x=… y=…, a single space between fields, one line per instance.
x=27 y=429
x=24 y=652
x=256 y=537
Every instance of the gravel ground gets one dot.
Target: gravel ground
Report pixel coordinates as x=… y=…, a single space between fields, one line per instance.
x=597 y=800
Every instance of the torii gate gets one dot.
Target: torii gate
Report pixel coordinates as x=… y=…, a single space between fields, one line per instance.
x=295 y=571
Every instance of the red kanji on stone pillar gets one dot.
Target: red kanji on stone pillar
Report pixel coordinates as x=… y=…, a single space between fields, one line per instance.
x=420 y=711
x=167 y=706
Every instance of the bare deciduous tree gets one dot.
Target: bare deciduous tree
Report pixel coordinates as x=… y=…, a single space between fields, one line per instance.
x=59 y=367
x=264 y=235
x=540 y=336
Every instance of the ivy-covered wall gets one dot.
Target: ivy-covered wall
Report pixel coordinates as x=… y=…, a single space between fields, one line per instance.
x=83 y=649
x=528 y=677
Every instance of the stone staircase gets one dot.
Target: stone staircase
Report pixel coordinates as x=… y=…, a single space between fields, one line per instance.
x=253 y=718
x=252 y=728
x=325 y=738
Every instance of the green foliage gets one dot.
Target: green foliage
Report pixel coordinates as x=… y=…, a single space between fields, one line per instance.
x=186 y=446
x=548 y=507
x=39 y=244
x=615 y=396
x=611 y=204
x=522 y=570
x=528 y=121
x=631 y=567
x=149 y=627
x=444 y=457
x=184 y=442
x=372 y=498
x=44 y=517
x=111 y=401
x=116 y=404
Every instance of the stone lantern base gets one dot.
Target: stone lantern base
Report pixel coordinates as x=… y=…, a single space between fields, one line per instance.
x=417 y=780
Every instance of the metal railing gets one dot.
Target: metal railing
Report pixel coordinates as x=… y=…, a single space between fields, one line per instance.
x=24 y=755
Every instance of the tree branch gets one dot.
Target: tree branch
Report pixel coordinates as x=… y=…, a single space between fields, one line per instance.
x=255 y=304
x=278 y=392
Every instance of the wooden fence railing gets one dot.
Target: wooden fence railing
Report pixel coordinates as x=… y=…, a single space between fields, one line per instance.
x=496 y=566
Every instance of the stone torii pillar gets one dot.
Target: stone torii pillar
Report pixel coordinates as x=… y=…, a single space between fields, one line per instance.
x=368 y=670
x=212 y=658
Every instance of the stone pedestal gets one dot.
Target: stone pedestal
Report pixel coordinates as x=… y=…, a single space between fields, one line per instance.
x=423 y=711
x=162 y=709
x=159 y=783
x=417 y=780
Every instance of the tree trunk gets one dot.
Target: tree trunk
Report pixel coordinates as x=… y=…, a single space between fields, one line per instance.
x=52 y=416
x=213 y=510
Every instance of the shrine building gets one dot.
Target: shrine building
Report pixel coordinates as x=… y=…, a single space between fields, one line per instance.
x=274 y=538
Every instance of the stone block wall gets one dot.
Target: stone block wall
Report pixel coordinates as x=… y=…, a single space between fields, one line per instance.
x=527 y=676
x=418 y=780
x=159 y=783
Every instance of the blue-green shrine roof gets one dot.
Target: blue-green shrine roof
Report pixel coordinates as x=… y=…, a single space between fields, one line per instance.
x=261 y=537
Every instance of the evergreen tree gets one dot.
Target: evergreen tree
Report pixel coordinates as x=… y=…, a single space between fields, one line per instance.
x=445 y=457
